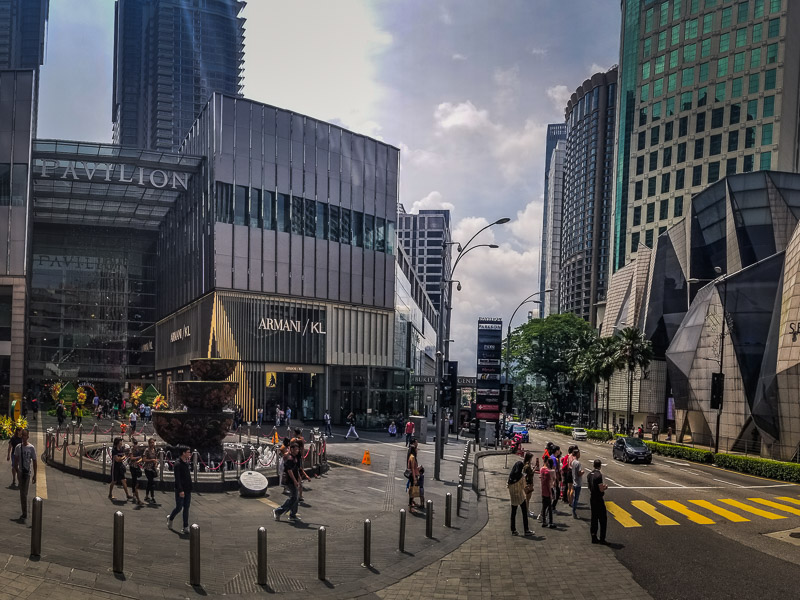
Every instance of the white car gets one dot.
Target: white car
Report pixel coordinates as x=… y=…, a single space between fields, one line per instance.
x=578 y=433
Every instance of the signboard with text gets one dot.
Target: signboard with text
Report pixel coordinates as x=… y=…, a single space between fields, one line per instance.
x=490 y=341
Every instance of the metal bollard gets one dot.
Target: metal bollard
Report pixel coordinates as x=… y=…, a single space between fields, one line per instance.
x=194 y=555
x=237 y=461
x=402 y=544
x=64 y=453
x=429 y=519
x=95 y=432
x=194 y=464
x=321 y=553
x=119 y=541
x=262 y=556
x=73 y=433
x=103 y=458
x=448 y=499
x=248 y=434
x=367 y=544
x=258 y=435
x=161 y=466
x=80 y=433
x=459 y=498
x=36 y=527
x=222 y=469
x=80 y=460
x=240 y=434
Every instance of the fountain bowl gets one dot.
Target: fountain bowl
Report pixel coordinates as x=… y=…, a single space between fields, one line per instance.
x=193 y=429
x=204 y=396
x=213 y=369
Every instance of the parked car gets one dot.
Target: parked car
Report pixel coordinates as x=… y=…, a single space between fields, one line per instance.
x=631 y=449
x=579 y=433
x=541 y=425
x=519 y=428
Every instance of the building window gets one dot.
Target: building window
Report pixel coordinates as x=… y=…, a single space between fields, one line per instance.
x=651 y=212
x=722 y=67
x=747 y=165
x=697 y=175
x=653 y=161
x=713 y=171
x=699 y=147
x=730 y=166
x=369 y=232
x=651 y=187
x=665 y=183
x=654 y=135
x=768 y=107
x=648 y=238
x=668 y=127
x=705 y=48
x=736 y=114
x=689 y=53
x=702 y=97
x=683 y=126
x=769 y=79
x=766 y=134
x=757 y=33
x=736 y=87
x=639 y=165
x=727 y=13
x=715 y=145
x=667 y=157
x=772 y=54
x=733 y=141
x=687 y=77
x=690 y=31
x=663 y=210
x=333 y=223
x=765 y=161
x=717 y=117
x=681 y=152
x=637 y=216
x=634 y=241
x=752 y=83
x=677 y=209
x=659 y=64
x=322 y=221
x=345 y=225
x=310 y=220
x=774 y=6
x=282 y=213
x=755 y=58
x=637 y=190
x=741 y=12
x=255 y=218
x=657 y=105
x=752 y=110
x=708 y=23
x=702 y=73
x=645 y=95
x=269 y=210
x=297 y=214
x=741 y=37
x=700 y=123
x=774 y=28
x=749 y=137
x=642 y=141
x=724 y=42
x=646 y=70
x=680 y=176
x=719 y=92
x=357 y=233
x=686 y=101
x=669 y=106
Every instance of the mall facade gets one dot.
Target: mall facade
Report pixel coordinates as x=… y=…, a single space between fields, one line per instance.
x=269 y=238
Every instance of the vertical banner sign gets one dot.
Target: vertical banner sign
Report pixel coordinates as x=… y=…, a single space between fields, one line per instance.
x=490 y=341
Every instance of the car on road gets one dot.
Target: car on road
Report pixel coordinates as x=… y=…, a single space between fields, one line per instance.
x=631 y=449
x=518 y=428
x=540 y=425
x=579 y=433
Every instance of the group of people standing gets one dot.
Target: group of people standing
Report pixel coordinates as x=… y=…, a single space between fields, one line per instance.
x=562 y=478
x=138 y=461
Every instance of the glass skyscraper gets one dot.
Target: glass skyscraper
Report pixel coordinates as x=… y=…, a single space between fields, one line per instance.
x=22 y=33
x=555 y=133
x=704 y=93
x=169 y=57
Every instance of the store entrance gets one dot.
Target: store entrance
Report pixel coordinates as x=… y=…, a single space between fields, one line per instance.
x=302 y=392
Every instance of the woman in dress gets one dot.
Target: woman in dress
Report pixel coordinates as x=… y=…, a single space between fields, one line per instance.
x=150 y=460
x=412 y=467
x=118 y=469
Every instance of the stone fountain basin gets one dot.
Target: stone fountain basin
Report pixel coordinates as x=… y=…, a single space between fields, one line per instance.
x=213 y=369
x=205 y=396
x=195 y=429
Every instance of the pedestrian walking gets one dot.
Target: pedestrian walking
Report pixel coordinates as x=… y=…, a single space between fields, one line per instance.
x=148 y=412
x=14 y=441
x=556 y=476
x=260 y=415
x=133 y=418
x=597 y=502
x=183 y=488
x=118 y=456
x=35 y=407
x=351 y=420
x=640 y=432
x=654 y=432
x=135 y=467
x=577 y=481
x=61 y=413
x=566 y=476
x=150 y=459
x=516 y=491
x=26 y=459
x=546 y=479
x=409 y=431
x=412 y=474
x=292 y=482
x=529 y=472
x=73 y=411
x=669 y=431
x=327 y=419
x=288 y=416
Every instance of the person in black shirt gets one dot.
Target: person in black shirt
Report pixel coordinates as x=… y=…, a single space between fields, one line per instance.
x=597 y=489
x=291 y=469
x=183 y=489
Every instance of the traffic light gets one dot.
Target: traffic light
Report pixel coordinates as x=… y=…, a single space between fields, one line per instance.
x=717 y=389
x=448 y=391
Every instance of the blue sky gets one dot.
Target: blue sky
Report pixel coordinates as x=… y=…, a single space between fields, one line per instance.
x=464 y=88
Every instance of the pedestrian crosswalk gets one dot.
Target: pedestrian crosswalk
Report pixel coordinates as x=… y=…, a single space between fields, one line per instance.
x=702 y=512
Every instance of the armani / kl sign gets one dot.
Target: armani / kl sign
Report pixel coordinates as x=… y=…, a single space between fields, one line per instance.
x=77 y=170
x=291 y=325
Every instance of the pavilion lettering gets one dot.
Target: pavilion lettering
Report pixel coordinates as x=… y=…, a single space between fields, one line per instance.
x=77 y=170
x=292 y=325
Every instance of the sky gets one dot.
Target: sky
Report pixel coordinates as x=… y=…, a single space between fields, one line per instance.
x=465 y=89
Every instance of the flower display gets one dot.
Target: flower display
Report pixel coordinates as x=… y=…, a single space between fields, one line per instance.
x=8 y=425
x=160 y=403
x=56 y=390
x=81 y=395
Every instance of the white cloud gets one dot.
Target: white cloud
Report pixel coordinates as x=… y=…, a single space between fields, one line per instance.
x=508 y=86
x=559 y=94
x=458 y=56
x=595 y=68
x=445 y=16
x=418 y=157
x=464 y=115
x=431 y=202
x=515 y=149
x=539 y=51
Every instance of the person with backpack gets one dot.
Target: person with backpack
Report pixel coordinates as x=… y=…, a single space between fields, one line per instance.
x=516 y=491
x=351 y=420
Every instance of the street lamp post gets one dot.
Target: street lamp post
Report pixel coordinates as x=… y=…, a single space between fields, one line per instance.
x=721 y=353
x=443 y=335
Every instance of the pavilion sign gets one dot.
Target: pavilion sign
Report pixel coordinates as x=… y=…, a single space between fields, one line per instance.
x=77 y=170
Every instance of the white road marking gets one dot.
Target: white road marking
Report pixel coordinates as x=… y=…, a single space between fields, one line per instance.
x=681 y=464
x=672 y=482
x=376 y=489
x=614 y=482
x=729 y=482
x=694 y=472
x=642 y=472
x=357 y=469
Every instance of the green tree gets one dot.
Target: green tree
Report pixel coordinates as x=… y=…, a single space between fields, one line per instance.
x=546 y=348
x=633 y=350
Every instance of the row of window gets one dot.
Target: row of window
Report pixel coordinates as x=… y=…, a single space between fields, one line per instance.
x=663 y=211
x=688 y=80
x=713 y=174
x=13 y=184
x=264 y=209
x=726 y=15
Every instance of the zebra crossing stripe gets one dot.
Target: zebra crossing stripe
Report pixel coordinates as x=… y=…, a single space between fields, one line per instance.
x=731 y=516
x=752 y=509
x=622 y=516
x=687 y=512
x=787 y=499
x=652 y=511
x=771 y=504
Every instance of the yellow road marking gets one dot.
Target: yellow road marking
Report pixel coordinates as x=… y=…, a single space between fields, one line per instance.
x=787 y=499
x=687 y=512
x=651 y=510
x=771 y=504
x=621 y=515
x=731 y=516
x=269 y=502
x=752 y=509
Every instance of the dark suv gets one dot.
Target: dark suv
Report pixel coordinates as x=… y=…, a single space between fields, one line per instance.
x=630 y=449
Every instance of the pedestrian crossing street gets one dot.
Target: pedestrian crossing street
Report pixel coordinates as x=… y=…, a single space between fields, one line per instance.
x=702 y=512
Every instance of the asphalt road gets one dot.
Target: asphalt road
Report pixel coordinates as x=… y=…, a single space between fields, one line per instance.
x=687 y=530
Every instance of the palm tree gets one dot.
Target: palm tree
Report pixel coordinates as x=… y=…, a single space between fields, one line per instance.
x=610 y=363
x=634 y=350
x=586 y=367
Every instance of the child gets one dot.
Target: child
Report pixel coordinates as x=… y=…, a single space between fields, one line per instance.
x=392 y=429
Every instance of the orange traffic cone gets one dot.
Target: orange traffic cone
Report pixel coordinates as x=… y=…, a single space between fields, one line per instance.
x=366 y=460
x=275 y=438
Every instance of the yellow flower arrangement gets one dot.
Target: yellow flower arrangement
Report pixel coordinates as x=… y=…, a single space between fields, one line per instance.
x=159 y=403
x=136 y=394
x=8 y=425
x=81 y=395
x=56 y=390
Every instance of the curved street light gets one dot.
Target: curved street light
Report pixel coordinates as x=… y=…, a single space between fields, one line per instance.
x=443 y=332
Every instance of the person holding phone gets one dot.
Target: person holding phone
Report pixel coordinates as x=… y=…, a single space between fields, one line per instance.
x=597 y=488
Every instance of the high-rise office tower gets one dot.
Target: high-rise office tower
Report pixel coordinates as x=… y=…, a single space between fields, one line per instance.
x=707 y=89
x=23 y=25
x=169 y=57
x=588 y=169
x=426 y=237
x=555 y=133
x=551 y=238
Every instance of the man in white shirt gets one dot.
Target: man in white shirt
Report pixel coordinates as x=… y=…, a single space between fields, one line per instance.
x=26 y=460
x=577 y=481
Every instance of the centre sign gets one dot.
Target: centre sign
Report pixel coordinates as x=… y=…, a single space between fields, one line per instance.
x=77 y=170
